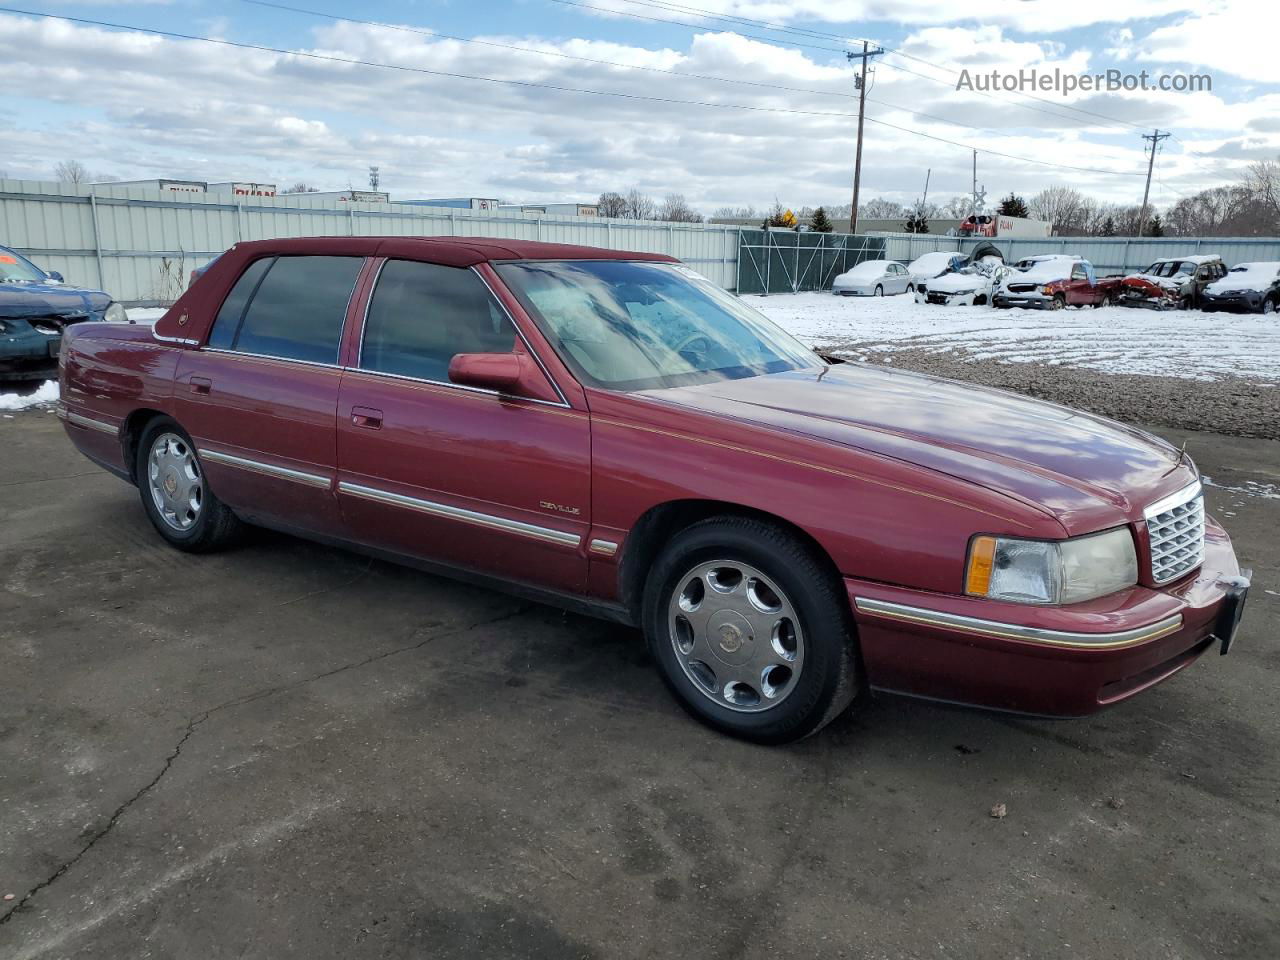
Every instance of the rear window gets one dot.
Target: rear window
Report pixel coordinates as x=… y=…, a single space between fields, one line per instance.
x=288 y=307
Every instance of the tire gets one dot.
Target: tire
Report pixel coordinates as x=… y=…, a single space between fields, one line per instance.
x=1059 y=302
x=980 y=300
x=1269 y=305
x=911 y=288
x=808 y=665
x=879 y=292
x=175 y=494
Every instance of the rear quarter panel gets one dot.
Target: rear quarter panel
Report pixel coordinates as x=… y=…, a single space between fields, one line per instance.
x=107 y=372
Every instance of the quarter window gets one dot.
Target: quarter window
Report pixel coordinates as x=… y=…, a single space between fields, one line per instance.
x=288 y=307
x=422 y=314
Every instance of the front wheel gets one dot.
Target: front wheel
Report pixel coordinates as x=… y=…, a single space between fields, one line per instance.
x=750 y=631
x=176 y=495
x=1059 y=302
x=1269 y=305
x=879 y=291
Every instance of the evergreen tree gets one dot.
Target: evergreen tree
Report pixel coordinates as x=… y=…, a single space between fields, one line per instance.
x=820 y=223
x=1013 y=206
x=1108 y=228
x=1156 y=227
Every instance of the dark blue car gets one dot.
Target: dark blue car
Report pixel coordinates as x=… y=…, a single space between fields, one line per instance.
x=35 y=307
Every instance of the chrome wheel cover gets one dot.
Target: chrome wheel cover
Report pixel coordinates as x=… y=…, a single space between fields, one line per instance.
x=736 y=635
x=173 y=476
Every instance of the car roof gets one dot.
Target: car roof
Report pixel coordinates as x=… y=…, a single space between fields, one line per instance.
x=1191 y=258
x=450 y=251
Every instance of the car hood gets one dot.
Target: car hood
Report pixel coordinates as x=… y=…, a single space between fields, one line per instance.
x=1086 y=471
x=49 y=300
x=959 y=283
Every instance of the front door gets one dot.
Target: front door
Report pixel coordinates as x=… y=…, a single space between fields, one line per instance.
x=260 y=398
x=467 y=477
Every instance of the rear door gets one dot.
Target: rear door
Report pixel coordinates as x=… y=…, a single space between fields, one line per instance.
x=459 y=475
x=259 y=398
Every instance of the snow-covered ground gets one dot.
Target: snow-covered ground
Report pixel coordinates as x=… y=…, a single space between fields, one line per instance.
x=1174 y=343
x=46 y=394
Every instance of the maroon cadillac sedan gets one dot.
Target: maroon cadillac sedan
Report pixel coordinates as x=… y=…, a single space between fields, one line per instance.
x=611 y=432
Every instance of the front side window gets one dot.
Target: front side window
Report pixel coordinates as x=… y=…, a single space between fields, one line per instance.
x=288 y=307
x=422 y=314
x=628 y=325
x=15 y=268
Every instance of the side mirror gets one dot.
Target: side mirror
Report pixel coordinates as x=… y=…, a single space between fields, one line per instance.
x=515 y=374
x=55 y=276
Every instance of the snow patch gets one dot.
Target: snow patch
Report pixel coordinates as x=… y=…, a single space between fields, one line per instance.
x=1168 y=343
x=47 y=394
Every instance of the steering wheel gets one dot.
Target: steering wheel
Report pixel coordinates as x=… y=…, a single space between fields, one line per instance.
x=688 y=342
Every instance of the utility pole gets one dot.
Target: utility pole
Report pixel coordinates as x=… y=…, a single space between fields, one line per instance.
x=860 y=82
x=1155 y=139
x=975 y=183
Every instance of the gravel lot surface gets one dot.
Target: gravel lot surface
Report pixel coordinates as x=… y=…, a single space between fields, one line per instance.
x=289 y=751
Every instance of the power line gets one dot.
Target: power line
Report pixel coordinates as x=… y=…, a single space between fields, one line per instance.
x=782 y=28
x=544 y=53
x=401 y=68
x=612 y=63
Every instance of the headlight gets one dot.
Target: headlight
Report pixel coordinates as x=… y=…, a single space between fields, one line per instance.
x=1051 y=571
x=115 y=314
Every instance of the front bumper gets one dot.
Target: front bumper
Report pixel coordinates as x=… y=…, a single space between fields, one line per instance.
x=1031 y=301
x=29 y=356
x=1052 y=661
x=1247 y=302
x=940 y=298
x=852 y=291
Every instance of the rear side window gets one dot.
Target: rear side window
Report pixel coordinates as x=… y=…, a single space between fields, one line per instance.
x=288 y=307
x=422 y=314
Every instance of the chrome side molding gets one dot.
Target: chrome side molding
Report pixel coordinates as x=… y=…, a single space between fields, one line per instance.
x=449 y=512
x=266 y=469
x=88 y=422
x=1014 y=631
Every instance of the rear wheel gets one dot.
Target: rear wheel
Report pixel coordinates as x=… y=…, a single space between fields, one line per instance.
x=176 y=495
x=750 y=631
x=1269 y=305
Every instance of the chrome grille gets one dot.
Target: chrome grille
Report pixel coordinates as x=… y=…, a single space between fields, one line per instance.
x=1176 y=527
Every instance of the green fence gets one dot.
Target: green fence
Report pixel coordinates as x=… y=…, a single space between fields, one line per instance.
x=783 y=261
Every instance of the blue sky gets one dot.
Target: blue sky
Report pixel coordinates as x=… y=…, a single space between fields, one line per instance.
x=132 y=106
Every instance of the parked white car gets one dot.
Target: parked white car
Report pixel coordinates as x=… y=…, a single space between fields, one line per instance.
x=874 y=278
x=974 y=285
x=934 y=264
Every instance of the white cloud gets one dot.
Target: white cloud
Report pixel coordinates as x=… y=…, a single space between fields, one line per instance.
x=163 y=107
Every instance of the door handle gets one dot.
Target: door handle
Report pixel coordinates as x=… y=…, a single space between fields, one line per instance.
x=366 y=417
x=201 y=385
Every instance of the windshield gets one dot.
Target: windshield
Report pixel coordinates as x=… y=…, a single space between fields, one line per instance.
x=17 y=269
x=629 y=325
x=931 y=263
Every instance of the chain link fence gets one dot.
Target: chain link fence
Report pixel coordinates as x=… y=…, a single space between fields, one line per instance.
x=783 y=261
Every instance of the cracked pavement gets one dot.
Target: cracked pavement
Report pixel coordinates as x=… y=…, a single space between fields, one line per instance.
x=288 y=750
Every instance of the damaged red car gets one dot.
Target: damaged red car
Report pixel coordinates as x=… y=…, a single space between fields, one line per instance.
x=611 y=432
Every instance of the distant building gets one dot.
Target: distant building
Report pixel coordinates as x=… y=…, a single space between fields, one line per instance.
x=165 y=186
x=562 y=209
x=455 y=203
x=240 y=189
x=342 y=196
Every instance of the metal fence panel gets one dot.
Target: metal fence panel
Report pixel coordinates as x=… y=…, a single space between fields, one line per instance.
x=140 y=245
x=783 y=261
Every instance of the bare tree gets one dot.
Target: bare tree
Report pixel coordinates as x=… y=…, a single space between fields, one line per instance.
x=639 y=206
x=1263 y=182
x=300 y=187
x=71 y=171
x=736 y=213
x=1060 y=206
x=676 y=208
x=955 y=208
x=611 y=204
x=879 y=208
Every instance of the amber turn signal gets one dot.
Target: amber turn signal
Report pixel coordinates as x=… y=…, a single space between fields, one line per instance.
x=981 y=559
